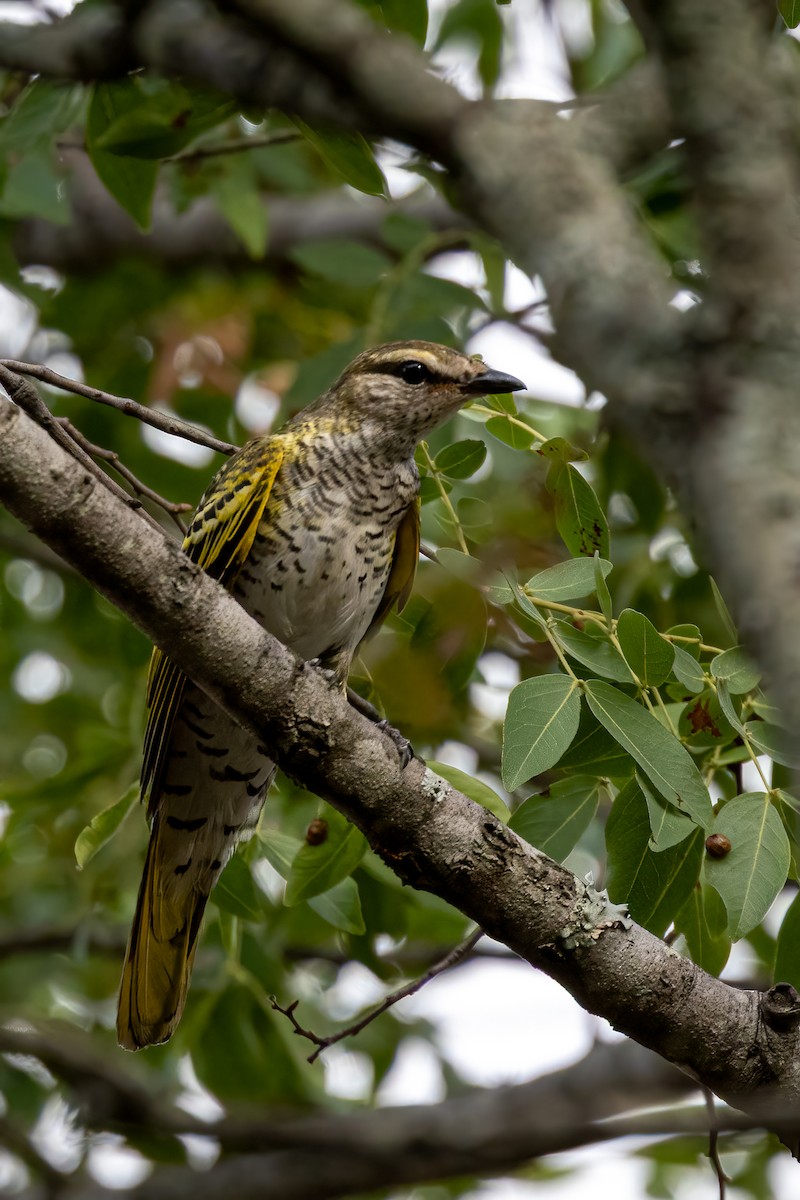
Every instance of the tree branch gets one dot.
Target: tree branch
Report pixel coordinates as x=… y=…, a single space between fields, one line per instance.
x=432 y=836
x=452 y=959
x=320 y=1155
x=743 y=459
x=148 y=416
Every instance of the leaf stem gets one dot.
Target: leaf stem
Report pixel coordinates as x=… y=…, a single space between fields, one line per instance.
x=435 y=475
x=512 y=420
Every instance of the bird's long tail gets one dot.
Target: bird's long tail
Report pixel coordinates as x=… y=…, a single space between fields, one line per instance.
x=160 y=954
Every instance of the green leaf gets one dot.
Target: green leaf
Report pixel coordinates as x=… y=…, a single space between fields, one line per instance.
x=703 y=923
x=429 y=489
x=340 y=906
x=580 y=520
x=787 y=951
x=691 y=633
x=241 y=1052
x=688 y=670
x=661 y=756
x=749 y=878
x=40 y=112
x=541 y=721
x=527 y=606
x=236 y=892
x=103 y=826
x=655 y=886
x=667 y=826
x=510 y=434
x=341 y=260
x=774 y=741
x=461 y=459
x=131 y=181
x=407 y=16
x=736 y=669
x=238 y=197
x=790 y=11
x=601 y=587
x=317 y=869
x=596 y=652
x=494 y=269
x=478 y=791
x=33 y=189
x=280 y=849
x=595 y=752
x=166 y=119
x=558 y=449
x=569 y=580
x=728 y=709
x=723 y=611
x=646 y=652
x=349 y=155
x=555 y=823
x=478 y=22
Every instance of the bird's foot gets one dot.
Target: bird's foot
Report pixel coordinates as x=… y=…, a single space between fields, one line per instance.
x=329 y=674
x=405 y=751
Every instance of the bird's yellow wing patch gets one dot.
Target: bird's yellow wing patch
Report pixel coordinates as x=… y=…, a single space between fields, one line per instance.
x=218 y=540
x=404 y=567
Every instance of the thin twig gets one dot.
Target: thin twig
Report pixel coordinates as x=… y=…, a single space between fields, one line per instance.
x=26 y=396
x=713 y=1142
x=235 y=146
x=149 y=416
x=48 y=939
x=454 y=956
x=141 y=489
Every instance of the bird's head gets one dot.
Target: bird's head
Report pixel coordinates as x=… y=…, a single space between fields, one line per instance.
x=401 y=391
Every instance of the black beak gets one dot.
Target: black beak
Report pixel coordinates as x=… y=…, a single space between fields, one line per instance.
x=493 y=383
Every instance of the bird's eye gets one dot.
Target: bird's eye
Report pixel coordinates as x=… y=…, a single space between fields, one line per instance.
x=414 y=372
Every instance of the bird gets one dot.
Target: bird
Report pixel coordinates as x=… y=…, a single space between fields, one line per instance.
x=314 y=529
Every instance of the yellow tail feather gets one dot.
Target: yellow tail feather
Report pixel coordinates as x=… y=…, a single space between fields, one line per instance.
x=159 y=958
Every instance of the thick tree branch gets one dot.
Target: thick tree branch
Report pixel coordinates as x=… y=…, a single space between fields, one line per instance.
x=743 y=460
x=101 y=230
x=320 y=1155
x=432 y=836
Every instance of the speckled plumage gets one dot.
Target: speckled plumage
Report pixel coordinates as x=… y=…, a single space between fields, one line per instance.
x=315 y=529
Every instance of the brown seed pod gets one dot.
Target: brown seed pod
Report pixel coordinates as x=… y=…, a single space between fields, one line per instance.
x=718 y=845
x=317 y=832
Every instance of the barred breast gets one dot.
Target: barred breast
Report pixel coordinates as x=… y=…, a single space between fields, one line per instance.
x=321 y=557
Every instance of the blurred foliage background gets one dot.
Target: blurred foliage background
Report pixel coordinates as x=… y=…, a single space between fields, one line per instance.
x=235 y=335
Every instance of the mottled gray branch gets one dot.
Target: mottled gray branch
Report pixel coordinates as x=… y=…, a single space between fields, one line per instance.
x=101 y=231
x=742 y=482
x=316 y=1155
x=433 y=837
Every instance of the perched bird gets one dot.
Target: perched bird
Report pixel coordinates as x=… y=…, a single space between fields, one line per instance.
x=315 y=530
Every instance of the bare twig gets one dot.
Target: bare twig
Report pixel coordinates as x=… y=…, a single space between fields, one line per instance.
x=713 y=1142
x=149 y=416
x=456 y=955
x=141 y=489
x=46 y=939
x=26 y=396
x=235 y=146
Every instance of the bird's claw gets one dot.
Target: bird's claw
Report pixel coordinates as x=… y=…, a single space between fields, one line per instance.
x=405 y=751
x=329 y=674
